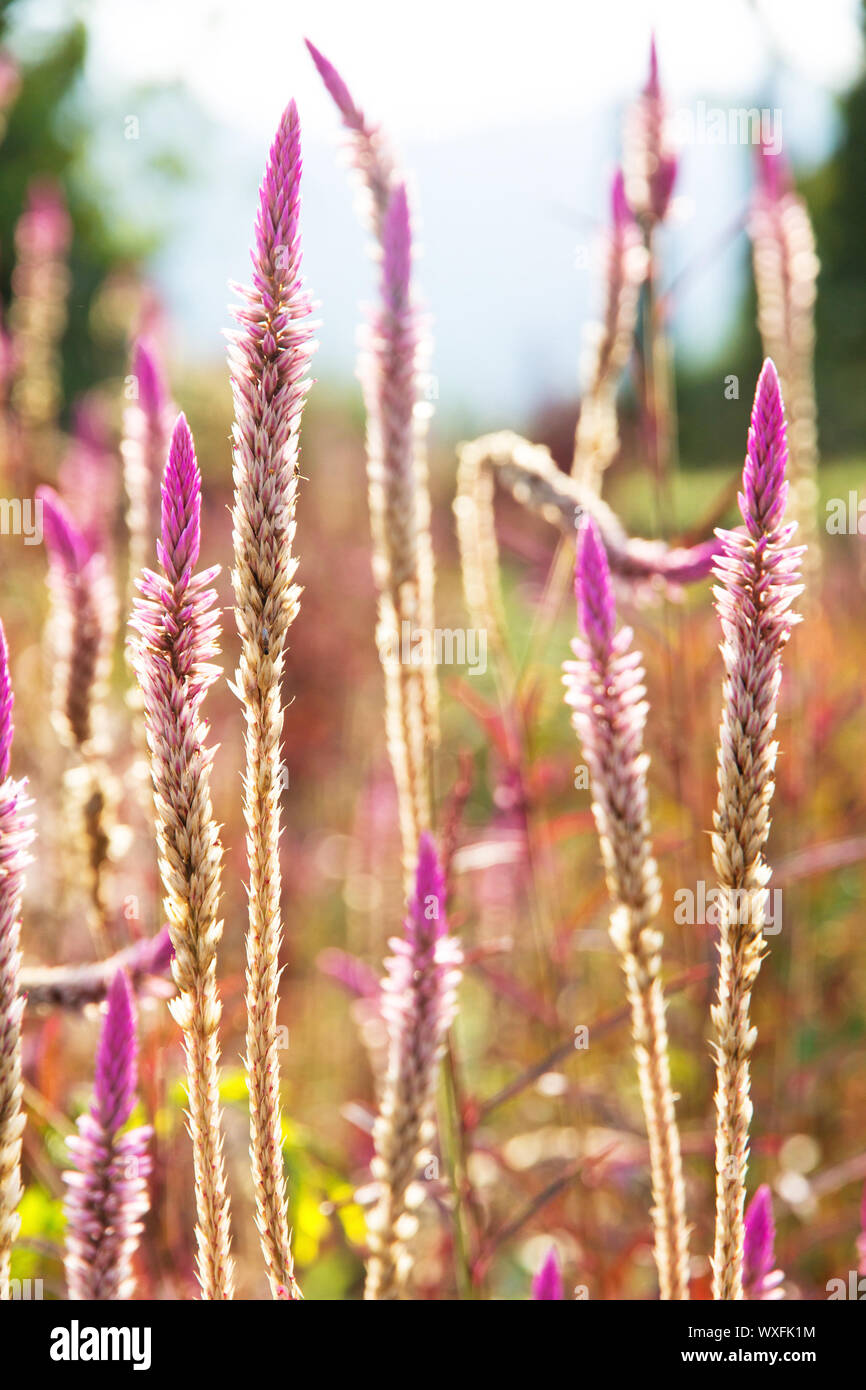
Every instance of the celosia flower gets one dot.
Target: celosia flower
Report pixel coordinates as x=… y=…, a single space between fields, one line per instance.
x=547 y=1283
x=16 y=836
x=419 y=1002
x=177 y=625
x=88 y=473
x=399 y=522
x=399 y=498
x=147 y=423
x=604 y=687
x=269 y=360
x=388 y=378
x=650 y=165
x=83 y=614
x=106 y=1195
x=758 y=574
x=760 y=1279
x=174 y=638
x=370 y=153
x=861 y=1239
x=81 y=636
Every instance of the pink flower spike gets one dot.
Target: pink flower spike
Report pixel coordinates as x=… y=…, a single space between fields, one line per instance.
x=116 y=1058
x=369 y=151
x=419 y=1003
x=650 y=163
x=397 y=249
x=861 y=1239
x=147 y=425
x=106 y=1193
x=760 y=1279
x=66 y=544
x=336 y=88
x=759 y=1239
x=593 y=589
x=145 y=369
x=277 y=251
x=179 y=545
x=16 y=836
x=758 y=579
x=174 y=619
x=547 y=1283
x=774 y=173
x=765 y=491
x=621 y=212
x=653 y=86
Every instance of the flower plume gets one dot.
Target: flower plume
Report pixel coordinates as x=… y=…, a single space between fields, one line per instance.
x=106 y=1194
x=650 y=165
x=269 y=358
x=398 y=492
x=760 y=1279
x=399 y=522
x=174 y=636
x=82 y=622
x=757 y=572
x=547 y=1283
x=146 y=432
x=16 y=837
x=419 y=1002
x=604 y=687
x=369 y=150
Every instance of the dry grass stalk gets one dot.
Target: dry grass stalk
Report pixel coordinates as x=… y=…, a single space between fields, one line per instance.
x=530 y=474
x=597 y=436
x=73 y=986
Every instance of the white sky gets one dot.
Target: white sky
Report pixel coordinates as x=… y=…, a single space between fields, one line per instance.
x=450 y=66
x=508 y=115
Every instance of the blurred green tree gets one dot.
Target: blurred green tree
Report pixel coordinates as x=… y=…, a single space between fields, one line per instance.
x=48 y=134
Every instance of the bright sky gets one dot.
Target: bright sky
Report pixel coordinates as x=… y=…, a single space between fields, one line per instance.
x=508 y=115
x=456 y=65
